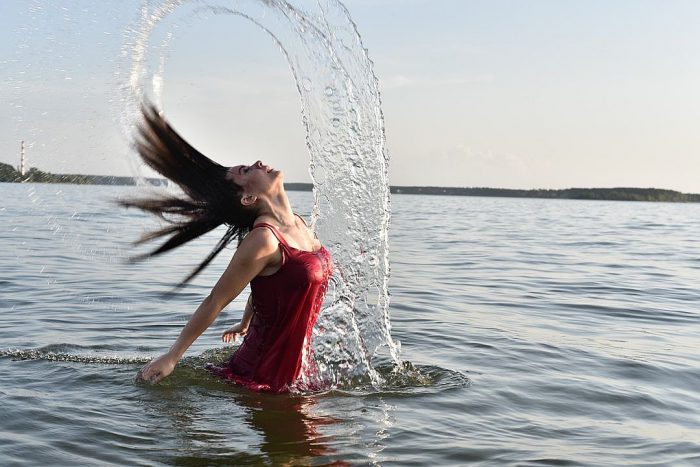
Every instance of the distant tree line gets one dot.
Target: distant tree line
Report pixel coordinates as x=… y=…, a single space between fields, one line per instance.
x=610 y=194
x=10 y=174
x=34 y=175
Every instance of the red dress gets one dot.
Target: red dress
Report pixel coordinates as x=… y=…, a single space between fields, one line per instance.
x=285 y=305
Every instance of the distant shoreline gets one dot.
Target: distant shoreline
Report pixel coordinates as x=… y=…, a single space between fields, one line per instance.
x=606 y=194
x=602 y=194
x=10 y=175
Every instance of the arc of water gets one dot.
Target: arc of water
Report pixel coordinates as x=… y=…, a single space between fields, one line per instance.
x=341 y=111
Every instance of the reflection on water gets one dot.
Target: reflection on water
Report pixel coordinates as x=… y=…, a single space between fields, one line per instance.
x=219 y=422
x=202 y=417
x=290 y=427
x=384 y=424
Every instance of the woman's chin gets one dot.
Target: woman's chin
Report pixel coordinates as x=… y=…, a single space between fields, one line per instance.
x=277 y=178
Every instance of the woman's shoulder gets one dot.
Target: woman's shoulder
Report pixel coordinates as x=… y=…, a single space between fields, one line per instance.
x=260 y=239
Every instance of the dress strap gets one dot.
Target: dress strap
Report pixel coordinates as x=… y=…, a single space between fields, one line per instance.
x=274 y=231
x=307 y=225
x=302 y=219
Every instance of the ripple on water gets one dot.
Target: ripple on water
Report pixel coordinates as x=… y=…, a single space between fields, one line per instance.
x=405 y=379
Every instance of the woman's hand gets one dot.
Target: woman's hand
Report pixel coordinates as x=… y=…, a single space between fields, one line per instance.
x=157 y=369
x=232 y=333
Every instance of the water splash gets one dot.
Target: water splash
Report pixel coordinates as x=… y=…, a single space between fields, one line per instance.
x=348 y=160
x=58 y=353
x=404 y=379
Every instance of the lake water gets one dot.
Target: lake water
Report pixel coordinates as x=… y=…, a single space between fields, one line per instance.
x=535 y=332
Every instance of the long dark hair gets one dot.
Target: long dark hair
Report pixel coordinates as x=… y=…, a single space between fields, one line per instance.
x=209 y=200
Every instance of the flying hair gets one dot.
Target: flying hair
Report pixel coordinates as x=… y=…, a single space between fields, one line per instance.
x=208 y=199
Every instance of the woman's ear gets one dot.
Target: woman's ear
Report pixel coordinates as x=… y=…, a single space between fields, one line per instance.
x=248 y=200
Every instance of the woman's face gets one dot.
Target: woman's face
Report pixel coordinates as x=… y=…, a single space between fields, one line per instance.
x=256 y=179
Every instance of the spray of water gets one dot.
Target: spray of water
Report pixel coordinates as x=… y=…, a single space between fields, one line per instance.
x=57 y=354
x=348 y=160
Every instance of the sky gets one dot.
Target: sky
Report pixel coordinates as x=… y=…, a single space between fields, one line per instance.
x=510 y=94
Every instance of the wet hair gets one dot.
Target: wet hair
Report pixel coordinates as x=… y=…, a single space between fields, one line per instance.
x=208 y=200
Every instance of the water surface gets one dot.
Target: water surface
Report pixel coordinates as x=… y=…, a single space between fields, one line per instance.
x=543 y=332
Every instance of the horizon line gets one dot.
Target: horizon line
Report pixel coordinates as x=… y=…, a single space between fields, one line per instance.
x=393 y=186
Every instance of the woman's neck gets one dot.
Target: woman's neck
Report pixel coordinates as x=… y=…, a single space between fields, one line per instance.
x=279 y=210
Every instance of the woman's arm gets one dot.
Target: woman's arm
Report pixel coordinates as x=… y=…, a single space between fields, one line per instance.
x=257 y=250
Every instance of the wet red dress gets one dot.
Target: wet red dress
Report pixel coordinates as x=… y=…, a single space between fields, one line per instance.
x=285 y=305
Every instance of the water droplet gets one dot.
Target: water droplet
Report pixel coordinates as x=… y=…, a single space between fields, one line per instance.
x=306 y=84
x=319 y=174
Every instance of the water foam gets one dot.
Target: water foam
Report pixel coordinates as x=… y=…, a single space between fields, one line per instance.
x=341 y=111
x=56 y=354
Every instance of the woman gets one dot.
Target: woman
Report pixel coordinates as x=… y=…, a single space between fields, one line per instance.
x=286 y=266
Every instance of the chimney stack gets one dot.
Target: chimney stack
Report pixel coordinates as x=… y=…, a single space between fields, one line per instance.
x=22 y=162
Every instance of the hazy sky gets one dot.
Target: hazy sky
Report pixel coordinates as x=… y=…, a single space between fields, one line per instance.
x=520 y=94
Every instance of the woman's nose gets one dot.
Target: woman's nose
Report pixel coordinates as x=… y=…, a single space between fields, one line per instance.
x=258 y=164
